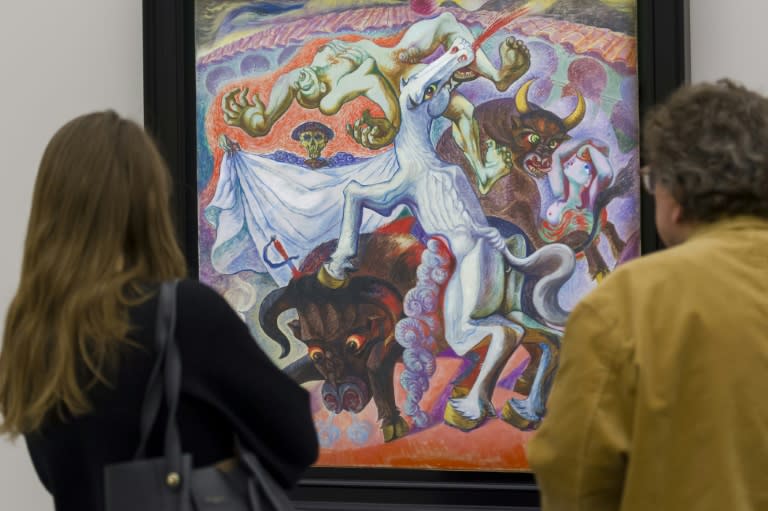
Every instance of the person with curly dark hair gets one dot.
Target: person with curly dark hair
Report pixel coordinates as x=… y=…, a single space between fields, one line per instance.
x=659 y=402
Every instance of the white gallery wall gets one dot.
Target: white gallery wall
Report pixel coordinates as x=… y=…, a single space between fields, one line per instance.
x=728 y=39
x=61 y=59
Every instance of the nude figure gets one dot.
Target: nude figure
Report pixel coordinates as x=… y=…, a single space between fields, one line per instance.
x=342 y=71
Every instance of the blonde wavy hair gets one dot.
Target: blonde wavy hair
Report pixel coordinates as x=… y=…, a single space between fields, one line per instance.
x=100 y=233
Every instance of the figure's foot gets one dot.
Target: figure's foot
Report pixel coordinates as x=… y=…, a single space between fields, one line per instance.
x=394 y=429
x=518 y=413
x=515 y=61
x=498 y=162
x=467 y=413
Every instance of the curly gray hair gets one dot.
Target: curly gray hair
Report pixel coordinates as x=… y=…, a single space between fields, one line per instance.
x=708 y=145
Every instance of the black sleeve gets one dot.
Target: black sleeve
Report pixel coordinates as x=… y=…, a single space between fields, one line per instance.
x=269 y=411
x=33 y=441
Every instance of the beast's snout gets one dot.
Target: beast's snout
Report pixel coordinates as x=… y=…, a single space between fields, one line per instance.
x=351 y=394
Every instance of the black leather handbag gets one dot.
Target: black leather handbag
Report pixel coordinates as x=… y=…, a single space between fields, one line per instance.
x=170 y=483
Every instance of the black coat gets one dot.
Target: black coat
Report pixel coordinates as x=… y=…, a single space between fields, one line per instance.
x=229 y=386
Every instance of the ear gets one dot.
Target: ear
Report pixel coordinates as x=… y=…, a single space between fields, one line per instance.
x=403 y=83
x=295 y=327
x=677 y=212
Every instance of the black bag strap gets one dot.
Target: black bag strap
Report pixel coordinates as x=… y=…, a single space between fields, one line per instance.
x=262 y=483
x=173 y=452
x=165 y=379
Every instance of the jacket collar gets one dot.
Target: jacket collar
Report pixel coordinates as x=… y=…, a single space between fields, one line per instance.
x=736 y=223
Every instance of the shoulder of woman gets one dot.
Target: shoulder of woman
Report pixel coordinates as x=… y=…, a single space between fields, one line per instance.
x=190 y=289
x=199 y=302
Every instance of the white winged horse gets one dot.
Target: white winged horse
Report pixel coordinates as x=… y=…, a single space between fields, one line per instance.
x=441 y=198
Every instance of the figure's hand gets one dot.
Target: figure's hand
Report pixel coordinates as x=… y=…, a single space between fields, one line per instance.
x=229 y=145
x=498 y=163
x=243 y=113
x=372 y=132
x=497 y=154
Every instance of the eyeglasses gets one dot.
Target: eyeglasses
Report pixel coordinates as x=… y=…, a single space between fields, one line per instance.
x=648 y=180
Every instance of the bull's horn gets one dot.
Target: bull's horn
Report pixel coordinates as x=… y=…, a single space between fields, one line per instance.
x=381 y=294
x=577 y=115
x=276 y=302
x=521 y=99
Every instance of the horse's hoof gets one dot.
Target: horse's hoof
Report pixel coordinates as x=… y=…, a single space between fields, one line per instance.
x=456 y=419
x=457 y=392
x=329 y=281
x=394 y=430
x=511 y=416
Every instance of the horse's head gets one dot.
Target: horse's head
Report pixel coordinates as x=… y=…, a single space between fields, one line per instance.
x=431 y=86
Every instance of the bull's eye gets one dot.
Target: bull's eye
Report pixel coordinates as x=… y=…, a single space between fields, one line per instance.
x=553 y=144
x=534 y=138
x=316 y=354
x=355 y=342
x=430 y=91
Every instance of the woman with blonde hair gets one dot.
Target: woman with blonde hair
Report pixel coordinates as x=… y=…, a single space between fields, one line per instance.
x=78 y=346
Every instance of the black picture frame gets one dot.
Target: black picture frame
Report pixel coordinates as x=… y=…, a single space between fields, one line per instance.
x=169 y=109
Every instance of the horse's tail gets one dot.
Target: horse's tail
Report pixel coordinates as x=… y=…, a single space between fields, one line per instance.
x=553 y=265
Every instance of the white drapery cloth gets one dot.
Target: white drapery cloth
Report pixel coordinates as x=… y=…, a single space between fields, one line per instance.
x=257 y=198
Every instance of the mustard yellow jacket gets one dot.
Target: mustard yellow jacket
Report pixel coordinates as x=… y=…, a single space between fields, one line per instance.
x=661 y=399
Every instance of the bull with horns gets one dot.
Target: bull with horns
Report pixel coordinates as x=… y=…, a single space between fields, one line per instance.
x=525 y=136
x=349 y=331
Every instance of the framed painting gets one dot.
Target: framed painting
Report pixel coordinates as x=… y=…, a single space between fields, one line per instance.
x=403 y=199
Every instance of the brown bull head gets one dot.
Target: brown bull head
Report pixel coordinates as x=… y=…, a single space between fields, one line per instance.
x=570 y=122
x=533 y=133
x=320 y=306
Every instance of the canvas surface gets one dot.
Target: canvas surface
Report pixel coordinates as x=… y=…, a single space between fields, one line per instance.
x=437 y=348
